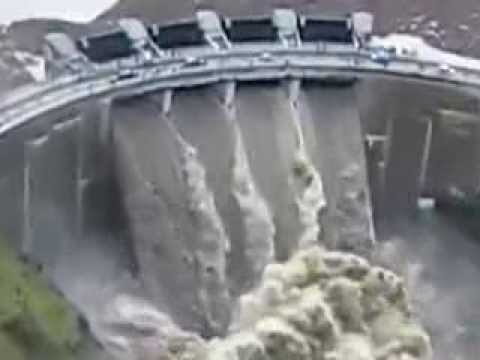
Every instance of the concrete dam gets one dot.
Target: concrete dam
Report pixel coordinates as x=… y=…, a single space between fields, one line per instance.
x=189 y=156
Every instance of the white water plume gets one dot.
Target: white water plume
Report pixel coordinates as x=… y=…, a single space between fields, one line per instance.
x=212 y=243
x=309 y=194
x=257 y=219
x=318 y=305
x=131 y=328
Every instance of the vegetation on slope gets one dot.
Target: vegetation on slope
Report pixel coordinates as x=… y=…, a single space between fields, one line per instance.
x=35 y=321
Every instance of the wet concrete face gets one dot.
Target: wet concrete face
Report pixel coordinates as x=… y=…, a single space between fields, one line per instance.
x=51 y=177
x=375 y=156
x=454 y=156
x=264 y=117
x=403 y=166
x=53 y=205
x=11 y=192
x=167 y=214
x=258 y=245
x=201 y=119
x=209 y=242
x=150 y=180
x=438 y=257
x=339 y=154
x=64 y=201
x=329 y=119
x=400 y=111
x=177 y=177
x=146 y=154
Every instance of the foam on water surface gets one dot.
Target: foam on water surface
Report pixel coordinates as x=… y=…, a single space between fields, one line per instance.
x=309 y=195
x=318 y=305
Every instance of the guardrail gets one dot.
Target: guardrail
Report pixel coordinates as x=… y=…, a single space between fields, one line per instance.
x=195 y=66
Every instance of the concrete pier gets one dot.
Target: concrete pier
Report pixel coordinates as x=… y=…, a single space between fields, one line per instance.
x=340 y=155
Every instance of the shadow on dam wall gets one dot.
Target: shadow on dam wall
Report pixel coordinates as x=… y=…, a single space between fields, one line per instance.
x=134 y=178
x=57 y=190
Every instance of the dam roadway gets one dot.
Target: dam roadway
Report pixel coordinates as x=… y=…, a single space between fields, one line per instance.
x=125 y=160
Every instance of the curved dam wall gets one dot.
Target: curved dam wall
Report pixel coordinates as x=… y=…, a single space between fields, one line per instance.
x=336 y=123
x=151 y=171
x=178 y=186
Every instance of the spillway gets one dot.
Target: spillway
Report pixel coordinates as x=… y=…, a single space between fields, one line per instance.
x=229 y=188
x=184 y=195
x=283 y=161
x=213 y=177
x=341 y=159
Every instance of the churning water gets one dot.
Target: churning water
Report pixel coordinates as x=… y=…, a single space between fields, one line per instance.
x=217 y=197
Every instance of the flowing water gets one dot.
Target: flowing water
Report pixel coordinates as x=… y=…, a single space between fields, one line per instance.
x=211 y=243
x=309 y=195
x=213 y=193
x=259 y=229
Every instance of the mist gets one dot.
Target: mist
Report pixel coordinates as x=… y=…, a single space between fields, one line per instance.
x=437 y=258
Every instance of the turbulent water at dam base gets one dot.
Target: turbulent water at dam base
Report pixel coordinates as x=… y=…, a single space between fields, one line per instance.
x=243 y=219
x=321 y=304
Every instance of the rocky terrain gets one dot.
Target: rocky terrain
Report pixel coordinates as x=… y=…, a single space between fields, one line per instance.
x=28 y=35
x=13 y=71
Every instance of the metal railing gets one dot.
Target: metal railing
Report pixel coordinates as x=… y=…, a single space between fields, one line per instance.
x=195 y=66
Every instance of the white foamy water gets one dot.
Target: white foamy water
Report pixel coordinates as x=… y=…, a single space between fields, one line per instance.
x=309 y=194
x=318 y=305
x=131 y=328
x=259 y=228
x=131 y=325
x=211 y=244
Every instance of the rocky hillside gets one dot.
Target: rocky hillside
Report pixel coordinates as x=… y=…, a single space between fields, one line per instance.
x=13 y=71
x=28 y=34
x=21 y=47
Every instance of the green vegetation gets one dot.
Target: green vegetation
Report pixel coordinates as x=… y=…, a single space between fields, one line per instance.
x=35 y=321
